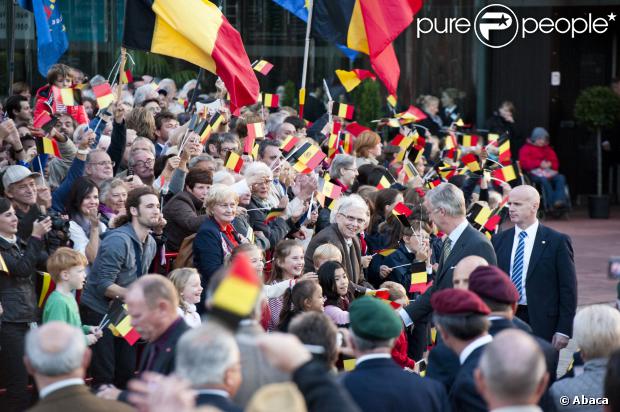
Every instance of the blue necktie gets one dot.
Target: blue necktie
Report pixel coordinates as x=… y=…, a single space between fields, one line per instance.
x=517 y=267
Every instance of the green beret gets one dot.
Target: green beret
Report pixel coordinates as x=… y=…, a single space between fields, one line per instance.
x=374 y=319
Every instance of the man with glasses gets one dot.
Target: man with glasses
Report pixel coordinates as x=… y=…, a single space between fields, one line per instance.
x=142 y=163
x=445 y=205
x=227 y=143
x=348 y=219
x=99 y=166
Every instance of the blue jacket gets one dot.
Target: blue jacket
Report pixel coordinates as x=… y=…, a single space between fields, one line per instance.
x=121 y=259
x=381 y=385
x=60 y=195
x=208 y=252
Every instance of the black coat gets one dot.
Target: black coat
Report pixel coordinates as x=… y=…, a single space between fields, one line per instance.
x=275 y=230
x=381 y=385
x=471 y=242
x=550 y=283
x=163 y=361
x=320 y=390
x=464 y=396
x=17 y=287
x=222 y=403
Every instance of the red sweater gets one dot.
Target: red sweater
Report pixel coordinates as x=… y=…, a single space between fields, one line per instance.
x=531 y=156
x=399 y=352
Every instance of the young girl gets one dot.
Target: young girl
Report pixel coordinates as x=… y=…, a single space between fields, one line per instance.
x=305 y=296
x=187 y=283
x=288 y=264
x=335 y=284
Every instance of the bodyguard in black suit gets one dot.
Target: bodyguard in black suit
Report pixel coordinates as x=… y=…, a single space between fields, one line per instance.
x=461 y=319
x=540 y=263
x=445 y=205
x=377 y=383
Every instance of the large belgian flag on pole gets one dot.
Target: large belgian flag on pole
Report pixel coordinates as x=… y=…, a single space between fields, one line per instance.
x=196 y=31
x=368 y=26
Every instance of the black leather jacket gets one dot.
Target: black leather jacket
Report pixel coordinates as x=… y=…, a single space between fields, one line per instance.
x=17 y=287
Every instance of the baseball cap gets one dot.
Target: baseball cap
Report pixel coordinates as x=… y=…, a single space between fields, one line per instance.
x=16 y=173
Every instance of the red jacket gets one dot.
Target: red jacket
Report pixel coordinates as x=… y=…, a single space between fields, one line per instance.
x=41 y=105
x=399 y=352
x=530 y=156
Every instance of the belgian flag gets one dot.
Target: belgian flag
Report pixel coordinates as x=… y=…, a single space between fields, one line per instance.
x=196 y=31
x=368 y=26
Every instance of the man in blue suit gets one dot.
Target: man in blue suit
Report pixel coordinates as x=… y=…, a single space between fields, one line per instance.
x=377 y=383
x=461 y=319
x=540 y=263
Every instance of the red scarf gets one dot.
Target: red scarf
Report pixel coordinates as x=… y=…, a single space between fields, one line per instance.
x=229 y=231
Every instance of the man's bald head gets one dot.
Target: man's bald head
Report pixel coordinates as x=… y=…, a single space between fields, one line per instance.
x=512 y=370
x=55 y=349
x=460 y=276
x=523 y=203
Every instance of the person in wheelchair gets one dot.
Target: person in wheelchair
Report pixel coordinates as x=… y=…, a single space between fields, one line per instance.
x=540 y=161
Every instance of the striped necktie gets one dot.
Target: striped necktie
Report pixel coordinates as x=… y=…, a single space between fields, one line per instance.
x=447 y=248
x=517 y=266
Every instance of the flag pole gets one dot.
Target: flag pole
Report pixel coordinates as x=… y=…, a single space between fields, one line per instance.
x=121 y=70
x=196 y=89
x=11 y=54
x=304 y=72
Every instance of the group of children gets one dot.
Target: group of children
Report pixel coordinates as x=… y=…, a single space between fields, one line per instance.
x=287 y=291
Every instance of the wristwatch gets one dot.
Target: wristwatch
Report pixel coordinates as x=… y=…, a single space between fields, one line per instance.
x=84 y=152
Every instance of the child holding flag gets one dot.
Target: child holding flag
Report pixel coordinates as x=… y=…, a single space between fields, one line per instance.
x=68 y=270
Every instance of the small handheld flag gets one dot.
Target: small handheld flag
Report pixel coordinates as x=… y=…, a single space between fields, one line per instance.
x=233 y=162
x=343 y=110
x=104 y=95
x=263 y=67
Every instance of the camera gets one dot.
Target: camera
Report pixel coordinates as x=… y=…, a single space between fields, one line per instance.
x=59 y=234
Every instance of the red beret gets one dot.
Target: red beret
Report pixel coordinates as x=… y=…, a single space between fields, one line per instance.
x=458 y=302
x=491 y=282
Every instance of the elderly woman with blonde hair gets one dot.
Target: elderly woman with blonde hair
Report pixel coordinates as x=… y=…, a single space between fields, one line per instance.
x=217 y=236
x=274 y=223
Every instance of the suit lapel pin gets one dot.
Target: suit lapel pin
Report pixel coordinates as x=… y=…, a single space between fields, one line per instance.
x=543 y=242
x=168 y=349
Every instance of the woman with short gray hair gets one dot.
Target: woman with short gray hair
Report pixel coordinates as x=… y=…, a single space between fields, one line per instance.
x=348 y=219
x=342 y=173
x=596 y=331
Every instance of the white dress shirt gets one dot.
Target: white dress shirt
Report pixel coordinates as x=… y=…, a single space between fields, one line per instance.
x=527 y=254
x=59 y=385
x=364 y=358
x=481 y=341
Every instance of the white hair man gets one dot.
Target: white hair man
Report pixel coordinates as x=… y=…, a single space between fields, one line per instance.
x=57 y=357
x=209 y=358
x=445 y=204
x=349 y=217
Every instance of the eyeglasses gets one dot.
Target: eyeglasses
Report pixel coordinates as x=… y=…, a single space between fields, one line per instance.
x=103 y=163
x=353 y=219
x=142 y=163
x=231 y=206
x=265 y=182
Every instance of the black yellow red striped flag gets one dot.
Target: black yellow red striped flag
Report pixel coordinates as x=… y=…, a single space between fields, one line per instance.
x=196 y=31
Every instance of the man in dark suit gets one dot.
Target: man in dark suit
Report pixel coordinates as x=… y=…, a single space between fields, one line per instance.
x=445 y=205
x=57 y=357
x=540 y=263
x=209 y=358
x=152 y=303
x=377 y=383
x=496 y=290
x=443 y=363
x=461 y=319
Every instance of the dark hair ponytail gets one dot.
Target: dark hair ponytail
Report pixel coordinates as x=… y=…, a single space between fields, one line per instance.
x=293 y=302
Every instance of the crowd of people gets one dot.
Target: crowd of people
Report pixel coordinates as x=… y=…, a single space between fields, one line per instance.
x=381 y=287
